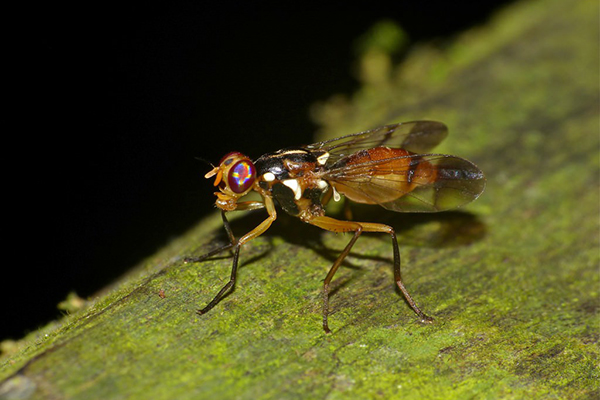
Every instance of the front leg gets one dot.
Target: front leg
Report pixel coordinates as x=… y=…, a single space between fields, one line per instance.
x=242 y=206
x=232 y=243
x=237 y=244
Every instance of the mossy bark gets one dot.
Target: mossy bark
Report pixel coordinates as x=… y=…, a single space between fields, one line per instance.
x=512 y=280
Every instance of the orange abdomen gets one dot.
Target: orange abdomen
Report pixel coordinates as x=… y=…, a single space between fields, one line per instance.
x=381 y=175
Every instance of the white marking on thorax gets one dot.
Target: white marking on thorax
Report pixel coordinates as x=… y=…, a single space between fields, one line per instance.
x=268 y=176
x=286 y=152
x=322 y=159
x=295 y=186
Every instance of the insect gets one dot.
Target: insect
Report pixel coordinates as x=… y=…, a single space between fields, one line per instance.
x=388 y=166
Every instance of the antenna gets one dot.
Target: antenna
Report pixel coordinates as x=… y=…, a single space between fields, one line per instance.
x=204 y=160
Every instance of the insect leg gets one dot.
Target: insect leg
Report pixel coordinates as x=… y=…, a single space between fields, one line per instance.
x=242 y=206
x=249 y=205
x=237 y=244
x=334 y=225
x=373 y=227
x=246 y=205
x=227 y=286
x=220 y=249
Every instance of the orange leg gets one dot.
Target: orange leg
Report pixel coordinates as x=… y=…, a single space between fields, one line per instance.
x=335 y=225
x=236 y=245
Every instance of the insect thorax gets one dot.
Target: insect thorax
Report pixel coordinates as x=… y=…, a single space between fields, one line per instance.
x=291 y=177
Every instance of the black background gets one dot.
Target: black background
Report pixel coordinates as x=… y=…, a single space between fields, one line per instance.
x=113 y=103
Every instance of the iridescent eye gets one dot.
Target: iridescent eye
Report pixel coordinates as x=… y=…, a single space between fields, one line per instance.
x=241 y=176
x=229 y=157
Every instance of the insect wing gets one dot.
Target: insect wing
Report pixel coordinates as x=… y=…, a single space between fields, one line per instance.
x=416 y=136
x=411 y=183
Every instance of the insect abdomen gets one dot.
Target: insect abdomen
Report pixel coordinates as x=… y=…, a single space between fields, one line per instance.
x=395 y=172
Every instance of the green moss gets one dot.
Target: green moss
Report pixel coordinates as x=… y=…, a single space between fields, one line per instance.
x=512 y=280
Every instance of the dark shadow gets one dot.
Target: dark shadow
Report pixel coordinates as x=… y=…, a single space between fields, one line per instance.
x=435 y=230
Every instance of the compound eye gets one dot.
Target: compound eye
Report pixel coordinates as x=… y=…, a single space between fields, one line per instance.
x=241 y=176
x=229 y=157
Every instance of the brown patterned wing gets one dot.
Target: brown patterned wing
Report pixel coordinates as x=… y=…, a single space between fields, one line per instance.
x=401 y=181
x=416 y=136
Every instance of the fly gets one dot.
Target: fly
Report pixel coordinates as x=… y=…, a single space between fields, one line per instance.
x=390 y=166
